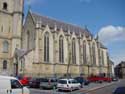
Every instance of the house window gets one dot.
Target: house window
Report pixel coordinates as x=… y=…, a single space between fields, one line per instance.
x=1 y=28
x=5 y=46
x=46 y=47
x=73 y=51
x=61 y=49
x=94 y=53
x=4 y=64
x=102 y=54
x=5 y=6
x=84 y=52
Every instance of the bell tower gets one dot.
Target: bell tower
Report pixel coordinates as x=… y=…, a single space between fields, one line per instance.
x=17 y=24
x=11 y=22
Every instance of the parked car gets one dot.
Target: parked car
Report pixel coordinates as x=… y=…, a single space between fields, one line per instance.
x=24 y=80
x=48 y=83
x=68 y=84
x=94 y=79
x=11 y=85
x=99 y=79
x=114 y=78
x=35 y=82
x=119 y=90
x=82 y=81
x=107 y=79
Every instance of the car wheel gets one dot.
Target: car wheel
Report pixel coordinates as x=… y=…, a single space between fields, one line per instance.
x=71 y=89
x=58 y=90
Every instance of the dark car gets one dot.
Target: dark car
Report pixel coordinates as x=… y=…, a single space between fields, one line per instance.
x=114 y=78
x=48 y=83
x=119 y=90
x=82 y=81
x=35 y=82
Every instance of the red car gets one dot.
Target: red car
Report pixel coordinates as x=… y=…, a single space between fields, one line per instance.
x=99 y=79
x=107 y=79
x=24 y=80
x=94 y=78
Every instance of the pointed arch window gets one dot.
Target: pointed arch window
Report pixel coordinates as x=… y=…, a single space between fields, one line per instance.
x=46 y=47
x=61 y=49
x=5 y=46
x=94 y=53
x=28 y=39
x=4 y=64
x=84 y=52
x=102 y=55
x=73 y=51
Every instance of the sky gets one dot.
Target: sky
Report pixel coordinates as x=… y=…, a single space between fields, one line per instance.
x=105 y=17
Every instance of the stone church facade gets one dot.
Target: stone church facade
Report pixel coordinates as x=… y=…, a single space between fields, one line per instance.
x=55 y=47
x=45 y=47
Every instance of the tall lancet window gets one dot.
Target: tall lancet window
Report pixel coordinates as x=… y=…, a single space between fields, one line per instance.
x=102 y=54
x=73 y=51
x=94 y=54
x=46 y=47
x=84 y=52
x=28 y=39
x=61 y=49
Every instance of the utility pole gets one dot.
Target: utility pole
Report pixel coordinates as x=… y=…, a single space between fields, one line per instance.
x=69 y=58
x=69 y=61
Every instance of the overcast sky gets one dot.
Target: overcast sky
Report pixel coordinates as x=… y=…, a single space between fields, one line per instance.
x=107 y=17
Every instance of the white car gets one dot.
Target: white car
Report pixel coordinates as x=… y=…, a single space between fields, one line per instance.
x=11 y=85
x=68 y=84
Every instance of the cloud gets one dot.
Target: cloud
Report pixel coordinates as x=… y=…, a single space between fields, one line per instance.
x=110 y=34
x=113 y=37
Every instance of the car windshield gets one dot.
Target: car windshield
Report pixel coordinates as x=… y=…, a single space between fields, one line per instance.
x=74 y=81
x=62 y=82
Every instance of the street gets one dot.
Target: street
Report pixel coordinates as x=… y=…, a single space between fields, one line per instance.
x=93 y=88
x=108 y=89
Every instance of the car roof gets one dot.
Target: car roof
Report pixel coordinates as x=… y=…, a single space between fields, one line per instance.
x=7 y=77
x=67 y=79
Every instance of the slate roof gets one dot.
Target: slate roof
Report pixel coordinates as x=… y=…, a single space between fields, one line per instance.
x=53 y=22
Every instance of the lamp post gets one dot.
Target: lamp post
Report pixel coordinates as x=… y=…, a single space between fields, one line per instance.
x=16 y=62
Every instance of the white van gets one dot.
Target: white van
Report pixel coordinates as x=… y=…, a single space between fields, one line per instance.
x=10 y=85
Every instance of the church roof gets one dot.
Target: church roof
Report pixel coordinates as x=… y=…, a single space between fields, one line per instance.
x=59 y=24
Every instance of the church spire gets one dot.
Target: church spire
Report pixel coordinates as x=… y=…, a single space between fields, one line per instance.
x=97 y=37
x=29 y=4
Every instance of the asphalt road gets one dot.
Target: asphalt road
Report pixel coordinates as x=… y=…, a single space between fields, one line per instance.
x=105 y=90
x=108 y=89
